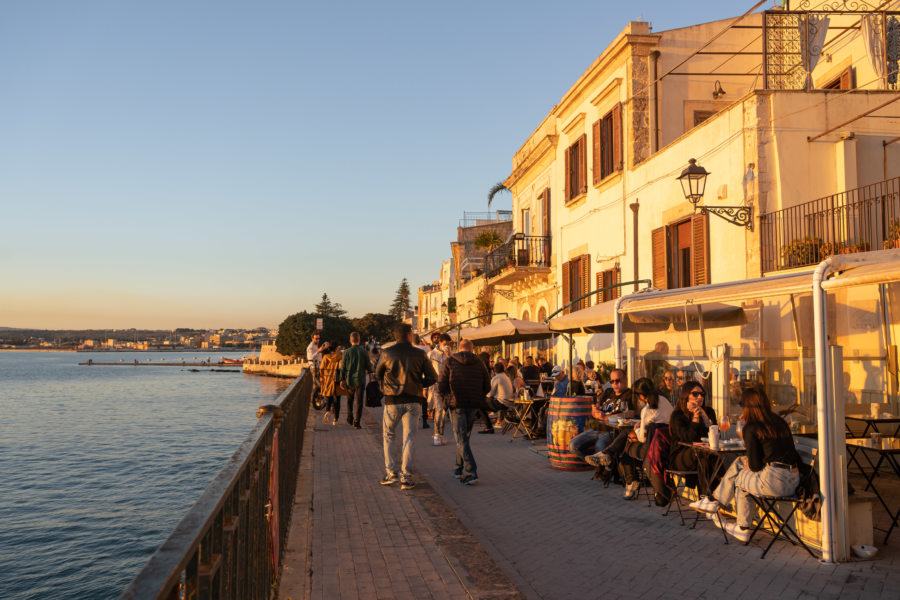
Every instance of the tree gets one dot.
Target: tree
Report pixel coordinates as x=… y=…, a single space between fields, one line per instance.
x=495 y=189
x=377 y=326
x=327 y=308
x=400 y=306
x=295 y=332
x=488 y=240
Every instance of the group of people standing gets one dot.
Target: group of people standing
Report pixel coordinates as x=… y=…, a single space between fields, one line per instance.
x=662 y=441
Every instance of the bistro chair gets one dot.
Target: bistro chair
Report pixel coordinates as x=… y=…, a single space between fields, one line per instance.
x=772 y=513
x=680 y=478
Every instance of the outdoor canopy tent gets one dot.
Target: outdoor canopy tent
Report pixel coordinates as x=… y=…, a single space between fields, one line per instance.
x=508 y=330
x=600 y=318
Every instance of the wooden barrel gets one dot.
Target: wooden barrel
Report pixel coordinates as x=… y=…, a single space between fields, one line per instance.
x=566 y=418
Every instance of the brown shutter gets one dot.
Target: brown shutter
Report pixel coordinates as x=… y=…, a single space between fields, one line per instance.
x=565 y=286
x=585 y=280
x=699 y=250
x=601 y=296
x=546 y=211
x=660 y=246
x=582 y=164
x=617 y=137
x=847 y=79
x=616 y=278
x=595 y=159
x=568 y=175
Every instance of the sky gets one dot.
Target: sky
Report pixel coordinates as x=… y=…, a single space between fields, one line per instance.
x=222 y=164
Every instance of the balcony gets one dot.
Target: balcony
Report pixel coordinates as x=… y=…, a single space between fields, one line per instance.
x=858 y=220
x=520 y=257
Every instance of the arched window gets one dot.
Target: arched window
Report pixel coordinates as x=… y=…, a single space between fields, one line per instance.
x=525 y=316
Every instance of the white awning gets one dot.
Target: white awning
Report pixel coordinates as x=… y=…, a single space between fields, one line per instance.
x=594 y=319
x=882 y=267
x=509 y=331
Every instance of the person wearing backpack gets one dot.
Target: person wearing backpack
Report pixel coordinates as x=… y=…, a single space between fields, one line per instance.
x=354 y=367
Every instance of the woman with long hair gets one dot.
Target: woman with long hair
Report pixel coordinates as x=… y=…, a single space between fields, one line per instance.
x=770 y=467
x=328 y=373
x=690 y=422
x=656 y=412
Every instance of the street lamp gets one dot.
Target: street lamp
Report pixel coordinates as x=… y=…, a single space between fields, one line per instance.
x=693 y=184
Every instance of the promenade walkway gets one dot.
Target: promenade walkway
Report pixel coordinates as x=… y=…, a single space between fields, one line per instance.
x=526 y=530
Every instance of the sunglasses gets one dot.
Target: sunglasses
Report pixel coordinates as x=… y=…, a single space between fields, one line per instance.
x=698 y=395
x=615 y=381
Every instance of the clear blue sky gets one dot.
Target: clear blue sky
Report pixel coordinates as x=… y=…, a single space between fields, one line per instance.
x=221 y=164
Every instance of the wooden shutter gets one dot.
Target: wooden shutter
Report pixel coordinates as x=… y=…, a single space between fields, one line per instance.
x=545 y=211
x=601 y=296
x=565 y=286
x=617 y=137
x=616 y=278
x=568 y=174
x=660 y=248
x=595 y=158
x=582 y=164
x=847 y=79
x=585 y=280
x=699 y=250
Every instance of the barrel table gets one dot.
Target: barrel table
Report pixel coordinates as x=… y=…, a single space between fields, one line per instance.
x=566 y=418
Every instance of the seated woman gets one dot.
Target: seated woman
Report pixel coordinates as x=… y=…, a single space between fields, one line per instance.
x=770 y=467
x=690 y=421
x=578 y=380
x=517 y=382
x=631 y=447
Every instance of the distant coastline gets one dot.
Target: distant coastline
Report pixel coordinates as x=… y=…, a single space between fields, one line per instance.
x=105 y=350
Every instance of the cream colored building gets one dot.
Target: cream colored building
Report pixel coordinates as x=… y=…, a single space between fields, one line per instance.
x=595 y=192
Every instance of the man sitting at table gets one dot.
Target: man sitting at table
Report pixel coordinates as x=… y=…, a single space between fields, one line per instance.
x=561 y=382
x=531 y=373
x=614 y=401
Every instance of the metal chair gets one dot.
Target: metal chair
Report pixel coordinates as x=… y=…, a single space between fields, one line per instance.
x=680 y=479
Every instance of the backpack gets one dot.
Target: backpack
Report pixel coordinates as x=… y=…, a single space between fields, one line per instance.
x=373 y=394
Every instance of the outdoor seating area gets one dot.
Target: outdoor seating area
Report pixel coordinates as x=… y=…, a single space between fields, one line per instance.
x=821 y=347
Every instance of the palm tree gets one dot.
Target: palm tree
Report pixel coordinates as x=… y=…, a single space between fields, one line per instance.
x=488 y=240
x=495 y=189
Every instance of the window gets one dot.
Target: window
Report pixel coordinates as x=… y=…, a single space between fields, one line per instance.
x=576 y=281
x=681 y=253
x=576 y=169
x=844 y=81
x=544 y=201
x=525 y=226
x=702 y=115
x=607 y=142
x=607 y=278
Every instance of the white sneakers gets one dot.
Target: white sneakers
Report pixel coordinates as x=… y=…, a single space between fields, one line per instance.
x=705 y=504
x=631 y=489
x=438 y=440
x=737 y=532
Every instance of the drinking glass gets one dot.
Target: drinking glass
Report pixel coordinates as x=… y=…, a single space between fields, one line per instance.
x=724 y=425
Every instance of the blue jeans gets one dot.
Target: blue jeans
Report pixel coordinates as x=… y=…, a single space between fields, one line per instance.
x=590 y=442
x=394 y=414
x=463 y=419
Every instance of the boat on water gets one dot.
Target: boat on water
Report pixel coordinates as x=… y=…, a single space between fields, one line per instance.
x=233 y=361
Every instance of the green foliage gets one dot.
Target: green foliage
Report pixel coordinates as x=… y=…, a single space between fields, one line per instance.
x=375 y=325
x=327 y=308
x=804 y=251
x=495 y=189
x=488 y=240
x=401 y=301
x=485 y=305
x=295 y=332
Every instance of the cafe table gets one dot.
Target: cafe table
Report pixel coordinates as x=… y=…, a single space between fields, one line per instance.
x=872 y=424
x=887 y=449
x=716 y=461
x=527 y=416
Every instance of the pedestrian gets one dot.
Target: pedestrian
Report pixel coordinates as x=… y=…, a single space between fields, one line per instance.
x=331 y=363
x=313 y=353
x=440 y=403
x=468 y=382
x=418 y=343
x=404 y=371
x=355 y=366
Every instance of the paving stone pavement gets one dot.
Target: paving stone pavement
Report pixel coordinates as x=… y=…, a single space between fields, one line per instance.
x=551 y=534
x=560 y=534
x=351 y=537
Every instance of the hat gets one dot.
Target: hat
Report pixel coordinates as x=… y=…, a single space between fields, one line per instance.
x=556 y=371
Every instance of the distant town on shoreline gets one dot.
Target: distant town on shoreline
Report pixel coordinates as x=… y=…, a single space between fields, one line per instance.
x=182 y=338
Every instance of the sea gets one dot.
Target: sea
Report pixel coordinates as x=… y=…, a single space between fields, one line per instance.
x=99 y=463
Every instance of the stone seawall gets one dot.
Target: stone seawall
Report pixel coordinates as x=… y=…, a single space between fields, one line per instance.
x=290 y=367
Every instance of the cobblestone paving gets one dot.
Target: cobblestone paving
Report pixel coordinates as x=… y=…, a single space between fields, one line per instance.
x=354 y=538
x=561 y=535
x=526 y=530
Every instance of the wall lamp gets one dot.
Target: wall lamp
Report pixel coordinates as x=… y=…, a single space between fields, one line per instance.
x=693 y=184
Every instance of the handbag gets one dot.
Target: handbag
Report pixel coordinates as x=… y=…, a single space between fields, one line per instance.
x=373 y=394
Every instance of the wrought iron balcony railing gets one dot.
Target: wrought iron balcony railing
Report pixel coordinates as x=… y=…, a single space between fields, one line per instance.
x=518 y=251
x=858 y=220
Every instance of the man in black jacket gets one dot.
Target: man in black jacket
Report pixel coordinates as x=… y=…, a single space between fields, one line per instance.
x=465 y=376
x=404 y=371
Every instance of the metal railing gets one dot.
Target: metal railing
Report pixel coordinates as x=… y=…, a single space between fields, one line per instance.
x=230 y=543
x=519 y=251
x=858 y=220
x=474 y=219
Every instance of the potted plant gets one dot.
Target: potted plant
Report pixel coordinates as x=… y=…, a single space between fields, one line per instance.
x=804 y=251
x=893 y=235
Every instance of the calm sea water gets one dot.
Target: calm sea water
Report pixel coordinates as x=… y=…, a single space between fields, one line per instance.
x=98 y=464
